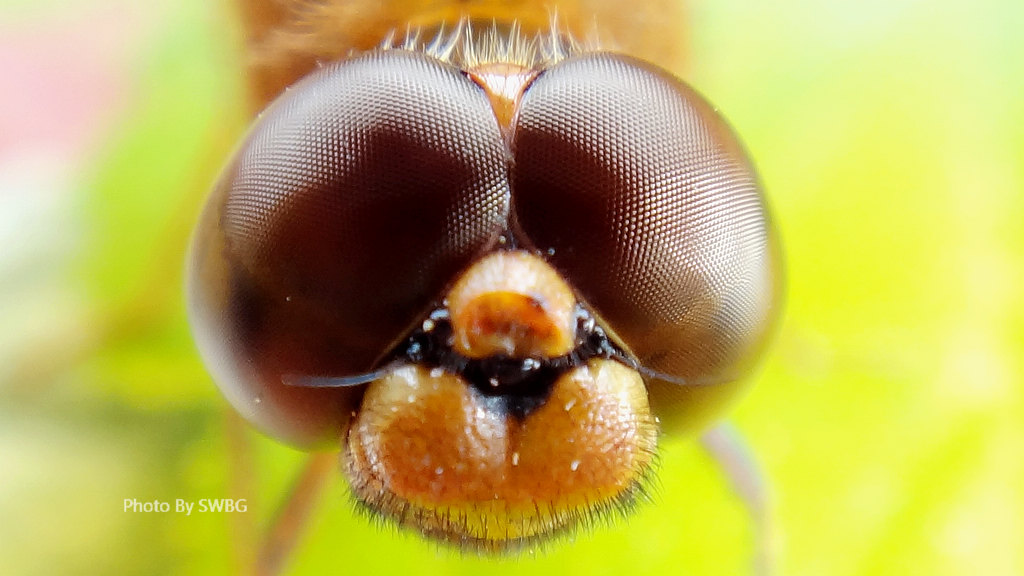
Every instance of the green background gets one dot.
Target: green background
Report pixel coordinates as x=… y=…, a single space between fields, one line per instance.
x=888 y=413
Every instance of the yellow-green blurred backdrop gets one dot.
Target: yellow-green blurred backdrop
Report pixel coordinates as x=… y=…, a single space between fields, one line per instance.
x=888 y=414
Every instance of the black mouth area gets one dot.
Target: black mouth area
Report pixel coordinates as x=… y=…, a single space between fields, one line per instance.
x=515 y=386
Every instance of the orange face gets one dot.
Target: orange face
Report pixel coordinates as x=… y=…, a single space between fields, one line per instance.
x=490 y=261
x=468 y=452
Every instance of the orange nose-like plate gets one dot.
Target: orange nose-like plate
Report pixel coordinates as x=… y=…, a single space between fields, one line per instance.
x=432 y=452
x=512 y=304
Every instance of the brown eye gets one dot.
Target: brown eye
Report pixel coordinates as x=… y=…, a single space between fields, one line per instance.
x=348 y=209
x=652 y=211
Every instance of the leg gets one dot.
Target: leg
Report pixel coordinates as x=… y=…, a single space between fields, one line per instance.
x=727 y=446
x=293 y=515
x=240 y=486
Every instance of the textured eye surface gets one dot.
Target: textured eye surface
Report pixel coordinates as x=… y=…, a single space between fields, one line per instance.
x=351 y=205
x=652 y=212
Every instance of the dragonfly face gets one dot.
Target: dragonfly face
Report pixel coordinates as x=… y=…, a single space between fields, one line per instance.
x=486 y=265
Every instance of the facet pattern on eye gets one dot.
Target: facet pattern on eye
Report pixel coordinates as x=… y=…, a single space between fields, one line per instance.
x=350 y=206
x=651 y=208
x=389 y=157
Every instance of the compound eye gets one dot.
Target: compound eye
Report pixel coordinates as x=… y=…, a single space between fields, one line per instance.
x=651 y=210
x=351 y=205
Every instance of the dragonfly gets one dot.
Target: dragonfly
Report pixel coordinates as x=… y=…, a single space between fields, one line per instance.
x=487 y=251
